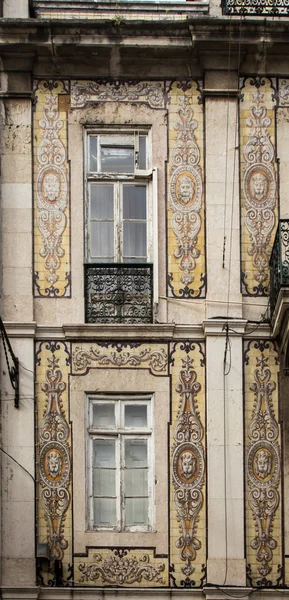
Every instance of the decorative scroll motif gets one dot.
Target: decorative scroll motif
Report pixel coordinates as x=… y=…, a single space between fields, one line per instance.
x=121 y=569
x=263 y=465
x=91 y=91
x=186 y=191
x=54 y=460
x=51 y=191
x=83 y=357
x=259 y=186
x=188 y=465
x=283 y=92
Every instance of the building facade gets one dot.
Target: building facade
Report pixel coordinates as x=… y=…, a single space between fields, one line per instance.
x=144 y=276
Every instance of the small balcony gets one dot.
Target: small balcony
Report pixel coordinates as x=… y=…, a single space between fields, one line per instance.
x=279 y=276
x=118 y=293
x=256 y=8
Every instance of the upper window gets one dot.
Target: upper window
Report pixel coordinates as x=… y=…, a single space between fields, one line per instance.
x=120 y=482
x=119 y=208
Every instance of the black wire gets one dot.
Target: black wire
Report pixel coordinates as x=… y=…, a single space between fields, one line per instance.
x=29 y=370
x=17 y=463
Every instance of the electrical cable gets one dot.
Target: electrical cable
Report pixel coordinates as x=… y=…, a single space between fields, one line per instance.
x=25 y=368
x=17 y=463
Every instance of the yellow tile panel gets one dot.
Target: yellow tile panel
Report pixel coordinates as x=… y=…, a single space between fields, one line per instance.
x=122 y=567
x=263 y=474
x=258 y=174
x=186 y=247
x=187 y=465
x=51 y=191
x=54 y=509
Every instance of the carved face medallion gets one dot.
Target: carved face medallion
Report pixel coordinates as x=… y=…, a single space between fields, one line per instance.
x=262 y=463
x=185 y=189
x=187 y=465
x=51 y=187
x=54 y=463
x=259 y=186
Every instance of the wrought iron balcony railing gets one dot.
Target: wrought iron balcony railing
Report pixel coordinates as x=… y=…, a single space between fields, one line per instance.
x=279 y=262
x=118 y=293
x=257 y=8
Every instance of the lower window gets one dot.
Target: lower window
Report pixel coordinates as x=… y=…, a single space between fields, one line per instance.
x=120 y=480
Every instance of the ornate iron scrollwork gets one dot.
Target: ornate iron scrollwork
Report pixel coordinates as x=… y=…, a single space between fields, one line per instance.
x=118 y=293
x=279 y=262
x=258 y=8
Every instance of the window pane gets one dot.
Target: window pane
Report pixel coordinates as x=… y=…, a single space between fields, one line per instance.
x=136 y=453
x=136 y=482
x=93 y=153
x=104 y=511
x=135 y=415
x=142 y=158
x=134 y=202
x=117 y=159
x=103 y=453
x=136 y=511
x=103 y=415
x=101 y=201
x=104 y=482
x=101 y=239
x=135 y=239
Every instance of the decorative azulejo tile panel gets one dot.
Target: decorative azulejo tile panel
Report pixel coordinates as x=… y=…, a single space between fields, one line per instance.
x=262 y=465
x=186 y=227
x=51 y=190
x=54 y=502
x=258 y=175
x=188 y=457
x=121 y=567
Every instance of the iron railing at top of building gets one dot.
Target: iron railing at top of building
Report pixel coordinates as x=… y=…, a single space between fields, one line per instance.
x=279 y=262
x=256 y=8
x=118 y=293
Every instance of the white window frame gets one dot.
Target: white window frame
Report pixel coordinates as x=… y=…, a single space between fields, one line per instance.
x=120 y=433
x=142 y=177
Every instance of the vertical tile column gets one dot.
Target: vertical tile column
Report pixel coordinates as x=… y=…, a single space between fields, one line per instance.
x=226 y=561
x=222 y=196
x=17 y=425
x=16 y=188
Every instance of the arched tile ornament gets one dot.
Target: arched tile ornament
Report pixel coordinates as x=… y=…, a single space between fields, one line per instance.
x=186 y=231
x=51 y=190
x=259 y=202
x=263 y=465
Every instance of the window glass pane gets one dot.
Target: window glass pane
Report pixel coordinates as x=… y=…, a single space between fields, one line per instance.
x=104 y=482
x=136 y=453
x=117 y=159
x=135 y=415
x=142 y=159
x=136 y=511
x=134 y=202
x=136 y=482
x=103 y=453
x=103 y=415
x=101 y=201
x=135 y=239
x=104 y=511
x=93 y=153
x=101 y=239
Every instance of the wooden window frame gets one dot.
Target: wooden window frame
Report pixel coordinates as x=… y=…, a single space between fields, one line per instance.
x=120 y=433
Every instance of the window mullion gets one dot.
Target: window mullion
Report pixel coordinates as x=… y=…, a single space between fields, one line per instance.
x=117 y=221
x=121 y=221
x=122 y=489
